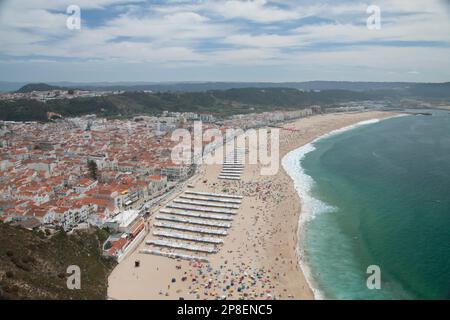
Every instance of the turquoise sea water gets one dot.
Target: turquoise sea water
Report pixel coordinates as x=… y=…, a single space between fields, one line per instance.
x=380 y=195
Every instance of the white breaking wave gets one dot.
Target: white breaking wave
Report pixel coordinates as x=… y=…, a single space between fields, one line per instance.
x=311 y=206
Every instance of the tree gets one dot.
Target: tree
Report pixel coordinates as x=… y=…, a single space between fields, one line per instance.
x=93 y=170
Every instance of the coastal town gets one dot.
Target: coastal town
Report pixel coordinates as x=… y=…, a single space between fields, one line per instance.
x=77 y=173
x=55 y=94
x=214 y=151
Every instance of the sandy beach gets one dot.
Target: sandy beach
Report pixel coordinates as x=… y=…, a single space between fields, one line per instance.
x=258 y=259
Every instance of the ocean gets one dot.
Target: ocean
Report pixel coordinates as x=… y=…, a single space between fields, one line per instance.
x=376 y=194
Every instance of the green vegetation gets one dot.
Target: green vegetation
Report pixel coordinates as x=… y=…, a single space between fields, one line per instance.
x=23 y=110
x=33 y=266
x=221 y=103
x=93 y=170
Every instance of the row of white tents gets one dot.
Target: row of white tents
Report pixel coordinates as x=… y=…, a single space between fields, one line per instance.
x=233 y=165
x=195 y=222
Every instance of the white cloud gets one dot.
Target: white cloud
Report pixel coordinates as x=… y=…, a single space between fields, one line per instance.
x=206 y=33
x=263 y=40
x=24 y=5
x=255 y=10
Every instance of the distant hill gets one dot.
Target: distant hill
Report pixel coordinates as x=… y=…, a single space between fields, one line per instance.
x=221 y=103
x=34 y=267
x=38 y=87
x=430 y=90
x=207 y=86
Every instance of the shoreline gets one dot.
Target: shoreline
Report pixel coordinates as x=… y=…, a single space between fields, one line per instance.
x=265 y=237
x=296 y=172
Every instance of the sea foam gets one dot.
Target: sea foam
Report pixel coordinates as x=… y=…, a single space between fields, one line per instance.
x=311 y=206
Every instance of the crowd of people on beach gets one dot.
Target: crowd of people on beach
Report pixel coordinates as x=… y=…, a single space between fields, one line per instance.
x=225 y=282
x=242 y=272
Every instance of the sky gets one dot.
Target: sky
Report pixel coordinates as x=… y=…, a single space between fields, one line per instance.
x=225 y=40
